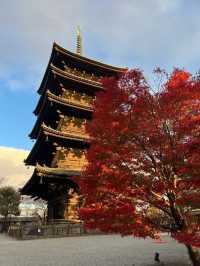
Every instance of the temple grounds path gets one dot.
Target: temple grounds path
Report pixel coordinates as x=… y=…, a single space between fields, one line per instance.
x=109 y=250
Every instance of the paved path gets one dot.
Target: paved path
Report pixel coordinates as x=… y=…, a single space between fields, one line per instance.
x=110 y=250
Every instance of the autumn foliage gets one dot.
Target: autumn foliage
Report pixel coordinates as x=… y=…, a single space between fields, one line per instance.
x=145 y=156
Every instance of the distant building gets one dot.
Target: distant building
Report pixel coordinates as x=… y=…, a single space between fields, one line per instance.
x=28 y=207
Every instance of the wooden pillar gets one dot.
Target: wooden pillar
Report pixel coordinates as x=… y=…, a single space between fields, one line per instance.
x=71 y=209
x=50 y=211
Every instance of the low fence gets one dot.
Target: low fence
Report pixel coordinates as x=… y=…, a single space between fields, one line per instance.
x=5 y=224
x=25 y=232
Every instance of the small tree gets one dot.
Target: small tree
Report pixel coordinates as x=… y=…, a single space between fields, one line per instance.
x=145 y=156
x=9 y=201
x=41 y=210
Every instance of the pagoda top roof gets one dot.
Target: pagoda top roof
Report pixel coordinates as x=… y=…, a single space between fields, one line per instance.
x=87 y=60
x=61 y=60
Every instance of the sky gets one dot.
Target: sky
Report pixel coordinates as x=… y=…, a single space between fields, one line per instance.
x=141 y=34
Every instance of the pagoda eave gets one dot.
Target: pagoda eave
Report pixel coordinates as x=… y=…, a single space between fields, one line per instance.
x=31 y=160
x=44 y=145
x=42 y=176
x=53 y=72
x=65 y=74
x=50 y=97
x=52 y=103
x=66 y=102
x=78 y=60
x=64 y=135
x=58 y=172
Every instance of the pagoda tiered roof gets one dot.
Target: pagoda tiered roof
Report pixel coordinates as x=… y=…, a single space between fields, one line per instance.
x=64 y=104
x=44 y=144
x=50 y=97
x=76 y=67
x=67 y=134
x=69 y=76
x=77 y=76
x=53 y=85
x=55 y=75
x=68 y=102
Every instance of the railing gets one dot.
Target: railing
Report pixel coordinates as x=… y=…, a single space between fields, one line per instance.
x=63 y=134
x=77 y=98
x=75 y=165
x=58 y=229
x=76 y=132
x=71 y=100
x=83 y=74
x=69 y=161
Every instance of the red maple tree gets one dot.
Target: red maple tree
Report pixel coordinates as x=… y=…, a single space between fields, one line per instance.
x=143 y=173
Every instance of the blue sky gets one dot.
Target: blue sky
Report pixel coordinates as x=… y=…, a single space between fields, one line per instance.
x=132 y=33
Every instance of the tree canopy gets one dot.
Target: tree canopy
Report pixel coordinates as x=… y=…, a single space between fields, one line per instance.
x=145 y=158
x=9 y=201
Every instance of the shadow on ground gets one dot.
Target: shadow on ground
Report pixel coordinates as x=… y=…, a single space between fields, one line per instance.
x=176 y=263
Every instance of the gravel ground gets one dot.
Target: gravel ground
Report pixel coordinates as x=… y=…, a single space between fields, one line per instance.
x=103 y=250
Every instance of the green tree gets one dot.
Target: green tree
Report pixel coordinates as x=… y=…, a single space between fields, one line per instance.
x=9 y=201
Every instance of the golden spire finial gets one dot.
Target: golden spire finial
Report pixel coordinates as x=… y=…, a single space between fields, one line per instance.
x=79 y=41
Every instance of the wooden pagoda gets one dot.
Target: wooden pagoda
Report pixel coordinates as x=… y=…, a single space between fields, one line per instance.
x=66 y=100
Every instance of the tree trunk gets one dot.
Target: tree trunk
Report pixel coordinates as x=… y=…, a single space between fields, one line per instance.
x=194 y=255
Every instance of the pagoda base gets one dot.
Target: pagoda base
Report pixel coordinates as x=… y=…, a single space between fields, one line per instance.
x=57 y=188
x=53 y=229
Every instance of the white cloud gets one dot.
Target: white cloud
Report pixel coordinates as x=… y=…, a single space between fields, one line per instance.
x=145 y=33
x=13 y=170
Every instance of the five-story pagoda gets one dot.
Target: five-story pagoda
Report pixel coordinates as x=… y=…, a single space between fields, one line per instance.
x=66 y=100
